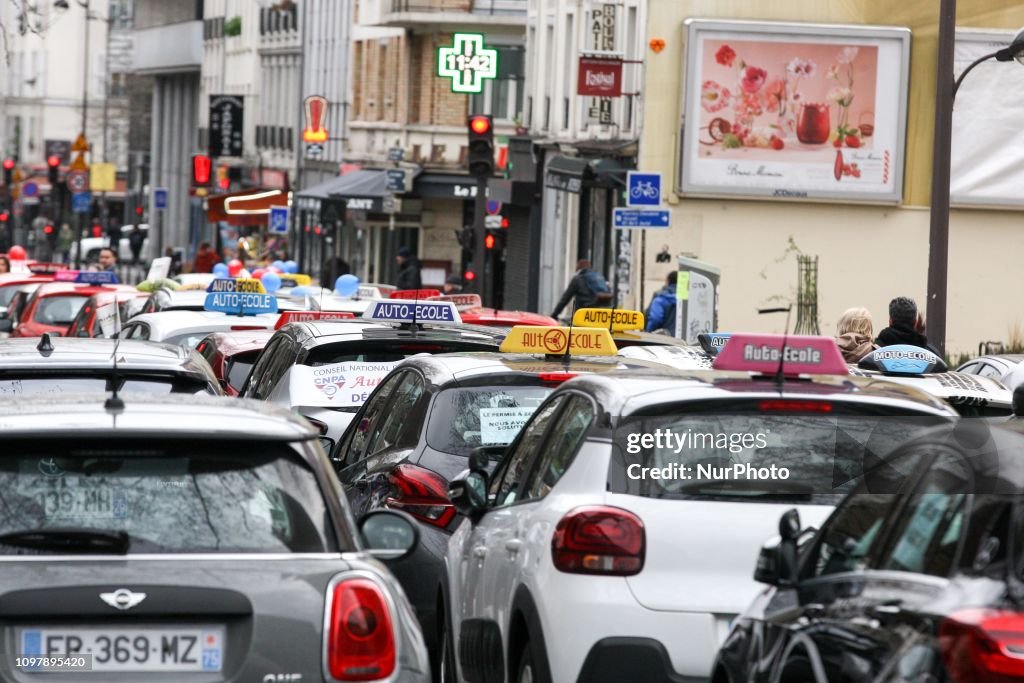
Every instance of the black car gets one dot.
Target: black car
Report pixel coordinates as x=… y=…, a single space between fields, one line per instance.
x=416 y=432
x=915 y=578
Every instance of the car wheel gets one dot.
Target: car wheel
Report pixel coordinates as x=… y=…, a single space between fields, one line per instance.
x=526 y=667
x=797 y=670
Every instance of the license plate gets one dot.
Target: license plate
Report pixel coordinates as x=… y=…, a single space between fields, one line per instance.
x=100 y=502
x=131 y=649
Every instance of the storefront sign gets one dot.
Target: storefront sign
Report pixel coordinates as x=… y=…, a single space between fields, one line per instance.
x=363 y=204
x=562 y=182
x=599 y=77
x=602 y=39
x=467 y=63
x=795 y=111
x=226 y=125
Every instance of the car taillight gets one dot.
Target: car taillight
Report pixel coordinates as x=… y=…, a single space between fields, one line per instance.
x=421 y=493
x=983 y=645
x=360 y=634
x=246 y=328
x=789 y=406
x=597 y=539
x=555 y=377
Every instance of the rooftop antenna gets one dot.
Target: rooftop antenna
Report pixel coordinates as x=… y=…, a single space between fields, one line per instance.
x=779 y=373
x=114 y=402
x=45 y=346
x=568 y=342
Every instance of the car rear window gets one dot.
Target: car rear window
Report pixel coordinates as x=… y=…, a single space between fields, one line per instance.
x=465 y=418
x=167 y=496
x=239 y=367
x=387 y=350
x=55 y=385
x=58 y=310
x=815 y=454
x=7 y=293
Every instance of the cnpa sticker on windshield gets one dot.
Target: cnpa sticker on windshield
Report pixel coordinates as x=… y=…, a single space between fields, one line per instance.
x=339 y=385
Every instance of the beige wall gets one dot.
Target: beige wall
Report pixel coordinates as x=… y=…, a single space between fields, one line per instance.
x=867 y=254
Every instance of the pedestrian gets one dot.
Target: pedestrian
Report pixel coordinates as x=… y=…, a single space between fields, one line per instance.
x=853 y=334
x=135 y=241
x=661 y=314
x=453 y=285
x=903 y=324
x=108 y=260
x=5 y=265
x=334 y=267
x=589 y=288
x=408 y=270
x=175 y=269
x=205 y=260
x=65 y=238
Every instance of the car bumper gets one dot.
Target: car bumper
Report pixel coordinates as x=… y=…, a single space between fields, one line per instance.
x=420 y=576
x=631 y=659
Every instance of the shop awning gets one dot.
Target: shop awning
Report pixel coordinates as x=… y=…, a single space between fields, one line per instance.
x=570 y=173
x=246 y=207
x=361 y=183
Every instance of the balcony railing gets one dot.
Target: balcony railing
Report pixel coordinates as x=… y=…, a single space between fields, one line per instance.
x=486 y=7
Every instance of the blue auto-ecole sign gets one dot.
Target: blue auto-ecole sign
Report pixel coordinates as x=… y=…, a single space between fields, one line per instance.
x=643 y=189
x=398 y=311
x=641 y=218
x=223 y=297
x=278 y=220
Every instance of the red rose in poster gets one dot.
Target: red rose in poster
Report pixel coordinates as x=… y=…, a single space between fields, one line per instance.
x=753 y=78
x=725 y=55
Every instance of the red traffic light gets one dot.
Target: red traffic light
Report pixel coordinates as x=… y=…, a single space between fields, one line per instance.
x=201 y=167
x=504 y=222
x=97 y=231
x=480 y=125
x=53 y=161
x=4 y=217
x=489 y=241
x=469 y=276
x=48 y=229
x=8 y=164
x=138 y=210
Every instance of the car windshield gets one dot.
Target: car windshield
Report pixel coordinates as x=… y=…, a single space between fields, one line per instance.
x=58 y=310
x=7 y=293
x=761 y=455
x=189 y=340
x=56 y=385
x=463 y=419
x=167 y=496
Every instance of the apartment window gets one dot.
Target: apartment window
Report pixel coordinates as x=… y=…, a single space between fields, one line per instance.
x=120 y=12
x=502 y=97
x=118 y=84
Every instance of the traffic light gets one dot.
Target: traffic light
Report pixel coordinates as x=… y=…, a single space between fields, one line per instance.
x=53 y=162
x=8 y=172
x=481 y=145
x=4 y=216
x=201 y=167
x=51 y=235
x=469 y=276
x=466 y=238
x=490 y=241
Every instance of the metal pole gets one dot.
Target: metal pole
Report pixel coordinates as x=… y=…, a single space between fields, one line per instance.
x=480 y=234
x=104 y=213
x=938 y=252
x=85 y=71
x=296 y=234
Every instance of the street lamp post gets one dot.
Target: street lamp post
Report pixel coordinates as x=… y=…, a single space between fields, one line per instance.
x=938 y=253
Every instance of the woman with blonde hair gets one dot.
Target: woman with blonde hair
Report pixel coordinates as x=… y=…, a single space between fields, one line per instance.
x=854 y=333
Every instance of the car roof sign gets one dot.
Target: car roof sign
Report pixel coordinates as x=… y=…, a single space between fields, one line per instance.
x=87 y=277
x=296 y=280
x=903 y=359
x=409 y=312
x=249 y=285
x=310 y=316
x=414 y=293
x=239 y=297
x=461 y=301
x=552 y=341
x=614 y=319
x=762 y=353
x=712 y=342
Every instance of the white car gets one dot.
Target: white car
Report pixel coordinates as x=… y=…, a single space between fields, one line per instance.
x=188 y=328
x=600 y=551
x=91 y=246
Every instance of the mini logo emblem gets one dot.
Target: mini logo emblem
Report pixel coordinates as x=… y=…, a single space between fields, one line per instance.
x=122 y=598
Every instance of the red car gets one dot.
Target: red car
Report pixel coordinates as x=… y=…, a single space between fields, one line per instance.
x=232 y=354
x=54 y=305
x=85 y=323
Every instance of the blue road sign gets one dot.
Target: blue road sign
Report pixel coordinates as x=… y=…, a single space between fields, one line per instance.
x=493 y=207
x=395 y=178
x=160 y=198
x=643 y=189
x=29 y=189
x=278 y=220
x=641 y=218
x=81 y=201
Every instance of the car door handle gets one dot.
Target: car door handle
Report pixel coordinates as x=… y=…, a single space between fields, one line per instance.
x=887 y=609
x=480 y=552
x=513 y=545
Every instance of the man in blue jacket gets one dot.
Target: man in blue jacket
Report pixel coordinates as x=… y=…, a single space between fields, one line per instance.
x=661 y=314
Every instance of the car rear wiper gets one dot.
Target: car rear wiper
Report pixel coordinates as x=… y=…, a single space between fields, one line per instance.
x=70 y=539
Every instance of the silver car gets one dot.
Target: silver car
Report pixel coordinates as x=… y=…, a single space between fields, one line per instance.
x=200 y=539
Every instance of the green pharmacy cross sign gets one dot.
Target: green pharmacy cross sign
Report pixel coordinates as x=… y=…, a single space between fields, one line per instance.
x=468 y=63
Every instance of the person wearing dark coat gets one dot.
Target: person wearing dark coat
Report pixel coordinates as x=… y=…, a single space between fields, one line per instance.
x=904 y=326
x=408 y=270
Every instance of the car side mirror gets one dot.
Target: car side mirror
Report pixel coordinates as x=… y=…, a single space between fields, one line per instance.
x=6 y=325
x=767 y=569
x=481 y=457
x=1018 y=401
x=389 y=534
x=787 y=567
x=468 y=493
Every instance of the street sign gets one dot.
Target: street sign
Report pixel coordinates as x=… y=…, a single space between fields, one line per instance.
x=391 y=204
x=278 y=220
x=103 y=177
x=78 y=164
x=467 y=63
x=643 y=189
x=78 y=181
x=160 y=198
x=29 y=189
x=492 y=222
x=396 y=154
x=80 y=144
x=316 y=112
x=493 y=207
x=80 y=202
x=396 y=180
x=314 y=150
x=57 y=148
x=641 y=218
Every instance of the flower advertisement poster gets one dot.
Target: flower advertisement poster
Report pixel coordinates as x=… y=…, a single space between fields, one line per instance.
x=794 y=111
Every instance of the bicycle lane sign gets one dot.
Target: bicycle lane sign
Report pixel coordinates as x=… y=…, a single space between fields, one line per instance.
x=643 y=189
